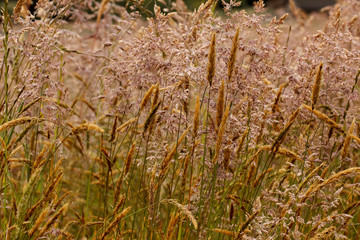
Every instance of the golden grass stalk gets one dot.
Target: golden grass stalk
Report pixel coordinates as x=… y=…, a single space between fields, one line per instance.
x=241 y=142
x=17 y=9
x=220 y=134
x=345 y=148
x=233 y=52
x=119 y=204
x=156 y=96
x=277 y=99
x=38 y=221
x=196 y=116
x=113 y=130
x=172 y=226
x=124 y=125
x=166 y=162
x=316 y=87
x=285 y=152
x=16 y=122
x=225 y=232
x=310 y=175
x=114 y=223
x=226 y=160
x=147 y=96
x=261 y=176
x=220 y=104
x=183 y=209
x=245 y=225
x=325 y=234
x=324 y=118
x=101 y=10
x=281 y=137
x=151 y=192
x=150 y=118
x=87 y=127
x=128 y=159
x=30 y=105
x=211 y=66
x=53 y=219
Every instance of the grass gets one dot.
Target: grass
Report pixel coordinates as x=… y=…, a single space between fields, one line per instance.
x=187 y=126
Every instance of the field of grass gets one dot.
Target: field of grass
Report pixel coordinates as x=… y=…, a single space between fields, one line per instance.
x=185 y=125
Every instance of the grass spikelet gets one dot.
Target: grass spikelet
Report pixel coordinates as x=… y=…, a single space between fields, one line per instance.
x=220 y=104
x=220 y=134
x=344 y=150
x=231 y=63
x=171 y=226
x=156 y=96
x=211 y=66
x=16 y=122
x=310 y=175
x=183 y=210
x=147 y=96
x=316 y=88
x=151 y=116
x=226 y=160
x=245 y=225
x=28 y=106
x=124 y=125
x=324 y=118
x=114 y=223
x=285 y=152
x=128 y=159
x=87 y=127
x=151 y=193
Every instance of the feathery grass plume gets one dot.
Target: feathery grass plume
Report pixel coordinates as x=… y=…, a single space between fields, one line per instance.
x=196 y=116
x=53 y=219
x=225 y=232
x=113 y=130
x=124 y=125
x=231 y=63
x=147 y=96
x=220 y=134
x=114 y=223
x=211 y=64
x=241 y=142
x=16 y=122
x=281 y=137
x=166 y=162
x=316 y=87
x=345 y=148
x=86 y=127
x=128 y=159
x=220 y=104
x=101 y=10
x=324 y=118
x=299 y=14
x=275 y=106
x=183 y=209
x=243 y=227
x=39 y=220
x=171 y=226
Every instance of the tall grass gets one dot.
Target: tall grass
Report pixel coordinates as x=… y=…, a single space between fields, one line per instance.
x=186 y=126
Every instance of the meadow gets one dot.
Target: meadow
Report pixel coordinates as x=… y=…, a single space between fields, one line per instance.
x=183 y=125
